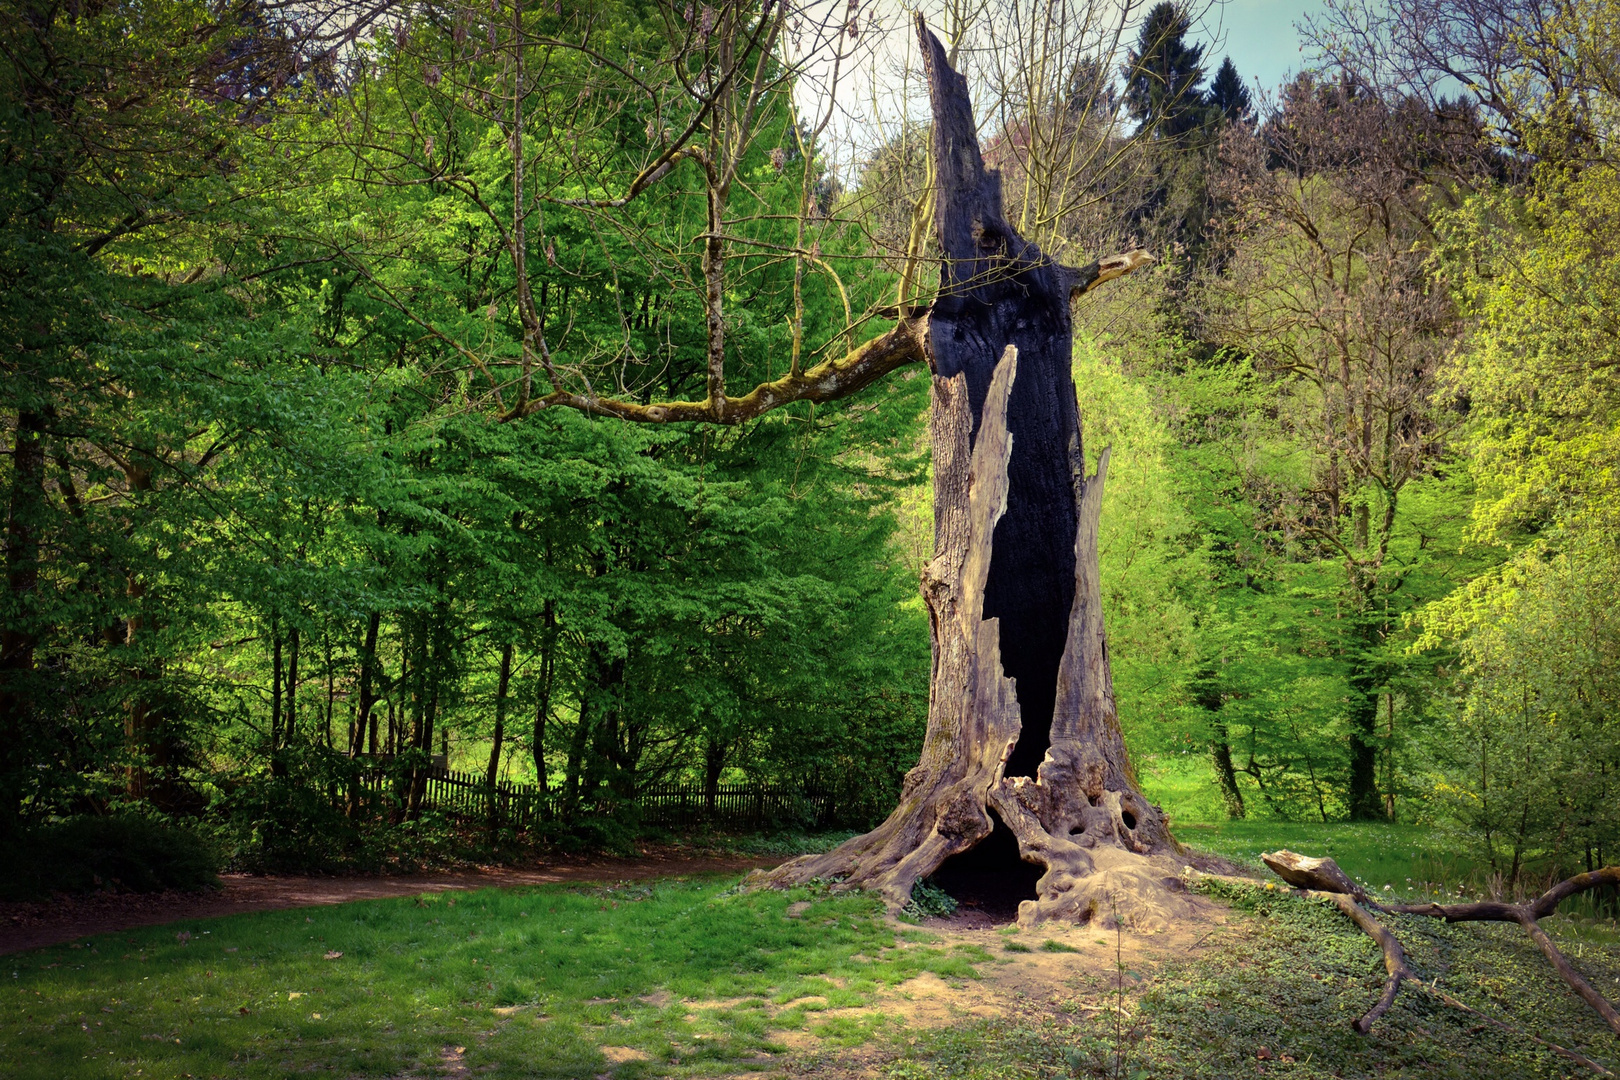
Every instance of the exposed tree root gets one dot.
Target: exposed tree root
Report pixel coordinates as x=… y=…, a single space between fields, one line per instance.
x=1322 y=879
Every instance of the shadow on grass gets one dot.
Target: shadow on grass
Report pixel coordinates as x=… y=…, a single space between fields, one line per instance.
x=668 y=976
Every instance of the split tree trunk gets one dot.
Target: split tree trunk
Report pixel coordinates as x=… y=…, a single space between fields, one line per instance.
x=1021 y=705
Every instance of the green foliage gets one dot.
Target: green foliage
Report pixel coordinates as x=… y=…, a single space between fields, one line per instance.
x=273 y=532
x=1227 y=627
x=1525 y=769
x=930 y=901
x=122 y=853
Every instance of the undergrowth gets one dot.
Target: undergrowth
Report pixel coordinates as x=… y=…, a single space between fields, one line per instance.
x=1277 y=999
x=127 y=853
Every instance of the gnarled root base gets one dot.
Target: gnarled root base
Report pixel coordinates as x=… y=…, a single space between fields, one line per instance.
x=1107 y=853
x=1102 y=881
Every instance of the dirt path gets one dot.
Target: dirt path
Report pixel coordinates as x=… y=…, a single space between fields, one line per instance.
x=36 y=924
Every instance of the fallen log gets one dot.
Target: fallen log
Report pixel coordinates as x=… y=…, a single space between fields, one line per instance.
x=1323 y=879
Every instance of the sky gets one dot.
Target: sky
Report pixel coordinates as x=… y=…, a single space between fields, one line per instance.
x=879 y=78
x=1259 y=36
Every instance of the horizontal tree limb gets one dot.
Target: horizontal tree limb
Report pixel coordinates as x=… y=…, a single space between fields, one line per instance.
x=828 y=381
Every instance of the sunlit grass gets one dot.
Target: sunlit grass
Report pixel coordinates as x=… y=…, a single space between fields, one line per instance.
x=533 y=983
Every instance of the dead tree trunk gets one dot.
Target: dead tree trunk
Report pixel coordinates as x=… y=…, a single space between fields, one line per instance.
x=1021 y=723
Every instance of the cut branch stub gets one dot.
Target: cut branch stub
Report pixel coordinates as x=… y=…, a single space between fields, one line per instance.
x=1304 y=872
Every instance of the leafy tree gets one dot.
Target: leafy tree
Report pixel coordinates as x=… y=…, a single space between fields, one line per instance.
x=1533 y=742
x=1327 y=288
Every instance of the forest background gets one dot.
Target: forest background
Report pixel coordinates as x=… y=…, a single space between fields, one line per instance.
x=322 y=327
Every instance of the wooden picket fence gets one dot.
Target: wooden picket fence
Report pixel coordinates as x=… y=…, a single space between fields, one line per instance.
x=466 y=795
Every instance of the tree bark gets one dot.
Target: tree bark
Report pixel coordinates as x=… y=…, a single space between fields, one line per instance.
x=1365 y=802
x=1207 y=695
x=368 y=692
x=493 y=772
x=19 y=634
x=503 y=684
x=542 y=699
x=1021 y=706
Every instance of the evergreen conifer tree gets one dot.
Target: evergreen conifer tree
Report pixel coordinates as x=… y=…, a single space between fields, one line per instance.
x=1163 y=74
x=1227 y=92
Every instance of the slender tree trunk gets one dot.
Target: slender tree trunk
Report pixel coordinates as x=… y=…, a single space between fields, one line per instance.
x=714 y=763
x=503 y=683
x=1207 y=695
x=432 y=677
x=1220 y=750
x=19 y=635
x=493 y=772
x=1365 y=803
x=1021 y=705
x=290 y=728
x=277 y=766
x=418 y=691
x=143 y=726
x=542 y=698
x=368 y=688
x=1389 y=756
x=365 y=709
x=576 y=755
x=331 y=685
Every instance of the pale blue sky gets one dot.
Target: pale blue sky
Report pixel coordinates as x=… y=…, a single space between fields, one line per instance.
x=1259 y=36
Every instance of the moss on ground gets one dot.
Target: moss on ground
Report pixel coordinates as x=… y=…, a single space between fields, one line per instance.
x=1278 y=998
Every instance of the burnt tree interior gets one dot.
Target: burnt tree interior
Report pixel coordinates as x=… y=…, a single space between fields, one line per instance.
x=990 y=877
x=996 y=289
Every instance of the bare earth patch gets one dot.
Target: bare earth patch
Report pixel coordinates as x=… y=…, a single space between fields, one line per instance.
x=1068 y=970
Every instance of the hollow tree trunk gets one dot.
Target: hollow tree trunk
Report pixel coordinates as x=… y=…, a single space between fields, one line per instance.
x=1021 y=707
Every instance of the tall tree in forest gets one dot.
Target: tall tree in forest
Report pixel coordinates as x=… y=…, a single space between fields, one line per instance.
x=1328 y=289
x=1227 y=92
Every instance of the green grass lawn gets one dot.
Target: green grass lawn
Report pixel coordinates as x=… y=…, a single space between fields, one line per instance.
x=694 y=978
x=1412 y=860
x=531 y=983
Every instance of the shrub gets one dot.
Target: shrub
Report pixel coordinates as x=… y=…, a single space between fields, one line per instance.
x=928 y=899
x=87 y=853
